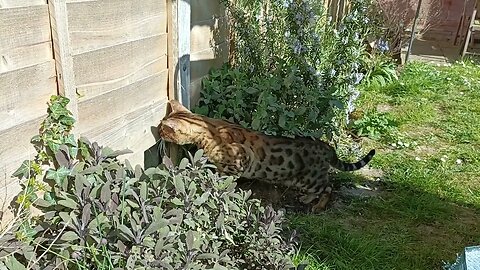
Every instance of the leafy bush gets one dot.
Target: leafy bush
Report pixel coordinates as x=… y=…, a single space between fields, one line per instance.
x=375 y=125
x=380 y=70
x=293 y=70
x=99 y=213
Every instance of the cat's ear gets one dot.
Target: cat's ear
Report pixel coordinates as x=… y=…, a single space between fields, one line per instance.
x=176 y=107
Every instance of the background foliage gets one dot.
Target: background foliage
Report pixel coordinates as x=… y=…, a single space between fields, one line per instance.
x=293 y=71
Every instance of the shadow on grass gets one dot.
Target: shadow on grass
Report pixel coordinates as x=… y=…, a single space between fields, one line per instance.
x=401 y=227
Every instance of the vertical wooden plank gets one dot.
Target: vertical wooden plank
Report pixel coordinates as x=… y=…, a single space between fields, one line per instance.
x=62 y=53
x=183 y=30
x=172 y=47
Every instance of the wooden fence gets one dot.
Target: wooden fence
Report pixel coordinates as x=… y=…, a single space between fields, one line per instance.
x=116 y=60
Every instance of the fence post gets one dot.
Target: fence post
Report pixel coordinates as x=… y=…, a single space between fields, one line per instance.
x=62 y=54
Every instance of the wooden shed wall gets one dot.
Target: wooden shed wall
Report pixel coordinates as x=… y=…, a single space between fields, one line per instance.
x=119 y=51
x=208 y=41
x=108 y=56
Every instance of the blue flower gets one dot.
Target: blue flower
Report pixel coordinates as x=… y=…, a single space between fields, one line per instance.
x=382 y=45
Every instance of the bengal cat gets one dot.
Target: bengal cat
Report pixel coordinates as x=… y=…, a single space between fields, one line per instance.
x=302 y=163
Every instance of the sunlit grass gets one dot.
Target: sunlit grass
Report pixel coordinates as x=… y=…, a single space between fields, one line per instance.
x=430 y=208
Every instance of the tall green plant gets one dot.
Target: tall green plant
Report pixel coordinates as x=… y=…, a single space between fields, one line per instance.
x=294 y=71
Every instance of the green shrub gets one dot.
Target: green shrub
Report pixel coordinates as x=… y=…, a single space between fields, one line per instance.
x=100 y=213
x=293 y=70
x=375 y=125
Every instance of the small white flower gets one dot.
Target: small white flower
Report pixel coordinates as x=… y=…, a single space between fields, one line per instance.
x=417 y=159
x=443 y=159
x=458 y=161
x=394 y=144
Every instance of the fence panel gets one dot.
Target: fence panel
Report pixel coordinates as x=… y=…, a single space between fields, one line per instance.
x=27 y=80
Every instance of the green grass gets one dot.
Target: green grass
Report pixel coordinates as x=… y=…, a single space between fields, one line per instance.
x=430 y=208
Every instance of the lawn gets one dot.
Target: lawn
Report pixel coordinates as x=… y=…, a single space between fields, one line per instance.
x=428 y=206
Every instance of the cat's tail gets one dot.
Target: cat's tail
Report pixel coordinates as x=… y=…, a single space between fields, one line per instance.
x=344 y=166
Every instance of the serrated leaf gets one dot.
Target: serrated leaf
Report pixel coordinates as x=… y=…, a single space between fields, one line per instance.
x=94 y=192
x=158 y=247
x=121 y=246
x=69 y=236
x=202 y=110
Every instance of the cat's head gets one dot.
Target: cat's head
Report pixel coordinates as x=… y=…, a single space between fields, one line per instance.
x=177 y=126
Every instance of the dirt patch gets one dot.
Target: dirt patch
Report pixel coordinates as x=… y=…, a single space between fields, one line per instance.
x=383 y=108
x=281 y=197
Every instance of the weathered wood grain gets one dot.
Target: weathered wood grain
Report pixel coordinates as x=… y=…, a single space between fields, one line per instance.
x=15 y=147
x=135 y=130
x=102 y=109
x=63 y=55
x=23 y=26
x=119 y=62
x=20 y=57
x=100 y=24
x=24 y=93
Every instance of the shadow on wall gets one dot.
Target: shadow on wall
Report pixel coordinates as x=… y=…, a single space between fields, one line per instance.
x=208 y=48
